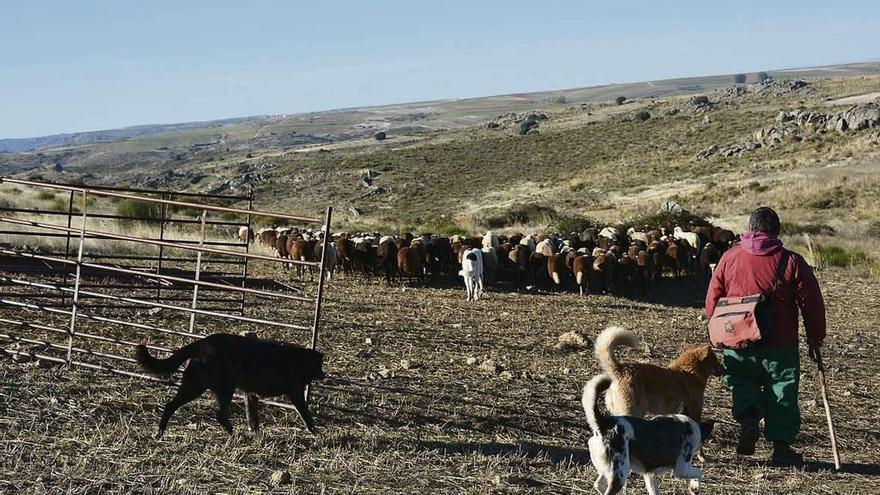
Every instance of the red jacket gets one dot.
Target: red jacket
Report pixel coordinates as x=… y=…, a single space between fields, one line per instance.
x=750 y=268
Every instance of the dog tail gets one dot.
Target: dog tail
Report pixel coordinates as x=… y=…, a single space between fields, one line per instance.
x=590 y=401
x=167 y=365
x=610 y=339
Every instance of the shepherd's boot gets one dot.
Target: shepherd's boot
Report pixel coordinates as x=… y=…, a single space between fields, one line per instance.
x=748 y=435
x=784 y=455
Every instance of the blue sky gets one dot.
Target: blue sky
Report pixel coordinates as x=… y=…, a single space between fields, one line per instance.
x=76 y=66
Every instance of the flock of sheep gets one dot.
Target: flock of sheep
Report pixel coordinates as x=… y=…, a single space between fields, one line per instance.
x=617 y=260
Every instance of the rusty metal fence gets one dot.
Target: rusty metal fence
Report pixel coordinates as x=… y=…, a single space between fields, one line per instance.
x=108 y=277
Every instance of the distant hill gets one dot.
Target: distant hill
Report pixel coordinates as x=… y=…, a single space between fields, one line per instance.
x=343 y=124
x=111 y=135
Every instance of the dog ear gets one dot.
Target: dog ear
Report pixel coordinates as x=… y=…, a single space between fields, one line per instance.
x=687 y=346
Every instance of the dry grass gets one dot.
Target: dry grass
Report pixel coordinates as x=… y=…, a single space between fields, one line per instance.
x=436 y=424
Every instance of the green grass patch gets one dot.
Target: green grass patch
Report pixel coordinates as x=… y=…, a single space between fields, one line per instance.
x=529 y=213
x=139 y=209
x=792 y=228
x=46 y=195
x=838 y=197
x=840 y=256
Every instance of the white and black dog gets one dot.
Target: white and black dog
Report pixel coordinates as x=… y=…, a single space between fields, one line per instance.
x=621 y=444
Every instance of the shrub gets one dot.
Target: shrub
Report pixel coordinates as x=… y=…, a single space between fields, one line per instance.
x=380 y=135
x=762 y=76
x=46 y=195
x=664 y=218
x=558 y=100
x=874 y=230
x=739 y=79
x=791 y=228
x=643 y=115
x=521 y=214
x=839 y=256
x=139 y=209
x=442 y=226
x=564 y=224
x=838 y=197
x=620 y=99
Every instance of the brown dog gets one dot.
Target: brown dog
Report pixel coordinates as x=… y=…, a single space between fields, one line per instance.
x=642 y=389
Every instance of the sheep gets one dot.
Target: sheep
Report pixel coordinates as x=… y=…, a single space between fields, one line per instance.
x=299 y=250
x=472 y=272
x=556 y=269
x=603 y=270
x=490 y=240
x=709 y=259
x=268 y=238
x=582 y=267
x=386 y=258
x=330 y=258
x=529 y=242
x=281 y=250
x=246 y=235
x=409 y=264
x=345 y=253
x=546 y=248
x=490 y=264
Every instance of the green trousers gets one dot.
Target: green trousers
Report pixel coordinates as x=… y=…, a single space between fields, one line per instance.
x=764 y=382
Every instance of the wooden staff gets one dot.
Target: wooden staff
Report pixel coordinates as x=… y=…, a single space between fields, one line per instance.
x=816 y=356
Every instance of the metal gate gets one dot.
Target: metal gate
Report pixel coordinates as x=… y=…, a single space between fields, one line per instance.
x=129 y=266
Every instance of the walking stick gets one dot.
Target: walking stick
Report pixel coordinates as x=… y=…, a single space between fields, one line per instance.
x=816 y=356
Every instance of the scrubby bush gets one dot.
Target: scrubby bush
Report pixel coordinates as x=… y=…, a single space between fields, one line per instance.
x=521 y=214
x=558 y=100
x=874 y=230
x=791 y=228
x=620 y=100
x=643 y=115
x=380 y=135
x=46 y=195
x=739 y=79
x=565 y=224
x=838 y=197
x=664 y=218
x=442 y=226
x=140 y=210
x=762 y=76
x=839 y=256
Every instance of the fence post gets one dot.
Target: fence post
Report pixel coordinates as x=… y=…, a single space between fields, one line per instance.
x=79 y=258
x=192 y=316
x=247 y=244
x=67 y=245
x=320 y=292
x=161 y=248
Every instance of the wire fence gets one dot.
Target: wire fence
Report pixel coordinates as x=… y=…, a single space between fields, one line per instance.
x=102 y=270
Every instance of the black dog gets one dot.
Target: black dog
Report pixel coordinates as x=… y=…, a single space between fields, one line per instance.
x=223 y=363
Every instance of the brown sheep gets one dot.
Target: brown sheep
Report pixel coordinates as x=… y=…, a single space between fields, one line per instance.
x=281 y=250
x=299 y=250
x=582 y=267
x=345 y=253
x=409 y=264
x=268 y=238
x=603 y=271
x=709 y=258
x=556 y=269
x=386 y=256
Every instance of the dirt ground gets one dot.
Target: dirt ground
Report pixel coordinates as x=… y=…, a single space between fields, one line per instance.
x=403 y=411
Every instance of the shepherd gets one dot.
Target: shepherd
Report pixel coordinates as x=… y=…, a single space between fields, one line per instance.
x=764 y=378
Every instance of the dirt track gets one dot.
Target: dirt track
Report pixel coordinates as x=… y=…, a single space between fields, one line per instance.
x=438 y=425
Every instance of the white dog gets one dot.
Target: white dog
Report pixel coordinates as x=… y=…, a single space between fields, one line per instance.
x=624 y=444
x=472 y=272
